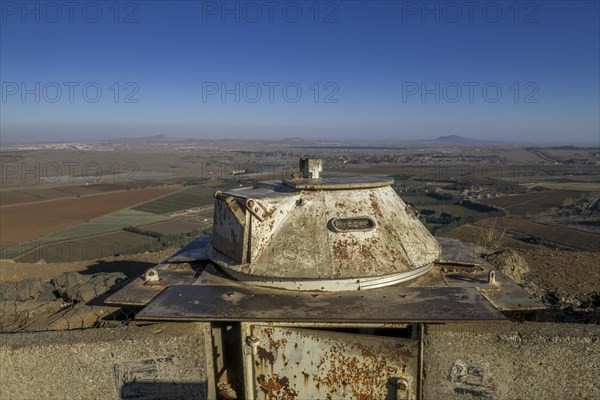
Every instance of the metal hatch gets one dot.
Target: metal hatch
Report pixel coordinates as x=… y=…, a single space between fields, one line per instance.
x=292 y=363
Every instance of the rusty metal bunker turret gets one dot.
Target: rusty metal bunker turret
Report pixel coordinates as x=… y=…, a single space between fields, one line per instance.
x=307 y=278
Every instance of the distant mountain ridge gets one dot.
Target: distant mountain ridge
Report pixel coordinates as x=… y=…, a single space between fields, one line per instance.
x=456 y=138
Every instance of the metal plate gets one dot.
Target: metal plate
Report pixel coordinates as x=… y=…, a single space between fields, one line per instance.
x=506 y=295
x=239 y=303
x=139 y=293
x=453 y=250
x=196 y=250
x=359 y=182
x=292 y=363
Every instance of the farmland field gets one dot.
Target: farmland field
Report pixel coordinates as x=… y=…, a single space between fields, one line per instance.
x=107 y=223
x=483 y=237
x=89 y=248
x=577 y=186
x=458 y=211
x=532 y=203
x=21 y=196
x=197 y=196
x=20 y=223
x=18 y=196
x=419 y=200
x=178 y=225
x=49 y=191
x=551 y=234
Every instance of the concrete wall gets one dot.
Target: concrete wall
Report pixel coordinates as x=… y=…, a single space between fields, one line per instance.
x=512 y=361
x=461 y=361
x=161 y=361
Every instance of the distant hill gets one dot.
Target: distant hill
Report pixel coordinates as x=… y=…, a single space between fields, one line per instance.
x=456 y=138
x=155 y=138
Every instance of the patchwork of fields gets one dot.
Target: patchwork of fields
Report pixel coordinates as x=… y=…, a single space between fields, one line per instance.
x=534 y=202
x=112 y=222
x=81 y=220
x=546 y=234
x=86 y=248
x=21 y=223
x=81 y=238
x=50 y=191
x=196 y=196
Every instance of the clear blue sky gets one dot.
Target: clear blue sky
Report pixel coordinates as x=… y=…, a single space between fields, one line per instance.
x=371 y=62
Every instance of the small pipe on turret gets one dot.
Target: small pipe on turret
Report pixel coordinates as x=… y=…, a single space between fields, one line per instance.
x=311 y=167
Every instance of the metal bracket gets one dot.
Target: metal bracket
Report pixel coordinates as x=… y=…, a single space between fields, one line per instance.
x=236 y=210
x=252 y=345
x=151 y=275
x=257 y=209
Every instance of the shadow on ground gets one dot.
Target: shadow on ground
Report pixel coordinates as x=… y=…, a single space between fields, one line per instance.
x=164 y=390
x=129 y=268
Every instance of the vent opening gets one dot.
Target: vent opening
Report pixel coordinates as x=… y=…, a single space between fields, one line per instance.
x=354 y=224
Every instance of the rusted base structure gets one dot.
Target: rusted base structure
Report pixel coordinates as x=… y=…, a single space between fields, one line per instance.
x=474 y=361
x=319 y=288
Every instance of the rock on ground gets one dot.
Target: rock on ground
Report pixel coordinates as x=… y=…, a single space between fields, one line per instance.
x=31 y=303
x=511 y=263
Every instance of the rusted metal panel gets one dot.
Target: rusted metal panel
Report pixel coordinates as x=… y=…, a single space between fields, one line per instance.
x=243 y=303
x=230 y=233
x=290 y=363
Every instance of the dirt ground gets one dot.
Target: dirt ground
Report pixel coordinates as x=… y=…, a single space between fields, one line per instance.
x=577 y=273
x=129 y=265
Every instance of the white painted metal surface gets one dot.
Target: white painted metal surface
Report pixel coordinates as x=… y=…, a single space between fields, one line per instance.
x=344 y=238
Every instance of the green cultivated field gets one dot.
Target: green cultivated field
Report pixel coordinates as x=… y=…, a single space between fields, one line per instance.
x=107 y=223
x=419 y=200
x=197 y=196
x=177 y=226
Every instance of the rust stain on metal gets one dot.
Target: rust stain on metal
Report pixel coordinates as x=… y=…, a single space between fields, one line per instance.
x=351 y=373
x=265 y=355
x=375 y=205
x=275 y=344
x=275 y=387
x=340 y=250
